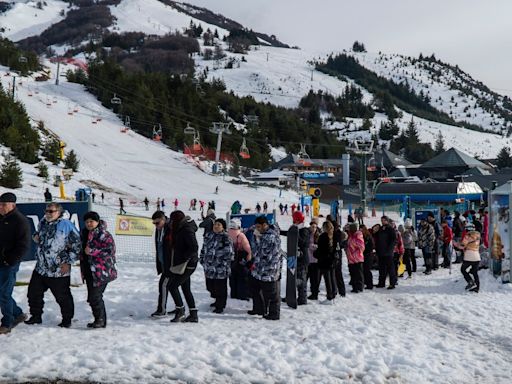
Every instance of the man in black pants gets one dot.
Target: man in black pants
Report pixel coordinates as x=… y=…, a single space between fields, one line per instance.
x=266 y=271
x=385 y=241
x=162 y=233
x=58 y=247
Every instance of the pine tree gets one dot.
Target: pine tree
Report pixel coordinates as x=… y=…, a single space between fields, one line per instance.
x=51 y=151
x=439 y=146
x=43 y=170
x=72 y=161
x=504 y=159
x=412 y=133
x=11 y=175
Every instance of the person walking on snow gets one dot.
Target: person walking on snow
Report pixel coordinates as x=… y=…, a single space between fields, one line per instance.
x=121 y=207
x=471 y=246
x=146 y=203
x=97 y=264
x=15 y=242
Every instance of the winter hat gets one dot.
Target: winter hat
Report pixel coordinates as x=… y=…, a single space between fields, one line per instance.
x=210 y=212
x=430 y=214
x=408 y=223
x=222 y=222
x=92 y=216
x=8 y=197
x=234 y=224
x=298 y=217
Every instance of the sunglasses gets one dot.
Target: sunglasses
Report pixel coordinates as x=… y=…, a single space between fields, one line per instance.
x=157 y=222
x=50 y=210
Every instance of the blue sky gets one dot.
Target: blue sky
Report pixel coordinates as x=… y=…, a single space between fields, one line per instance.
x=476 y=35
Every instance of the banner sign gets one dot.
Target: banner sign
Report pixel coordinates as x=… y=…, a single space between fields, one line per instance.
x=35 y=212
x=134 y=225
x=247 y=220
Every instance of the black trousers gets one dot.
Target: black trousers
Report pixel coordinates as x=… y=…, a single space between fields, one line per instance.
x=367 y=271
x=239 y=281
x=314 y=278
x=182 y=281
x=387 y=267
x=302 y=286
x=473 y=270
x=95 y=300
x=328 y=275
x=337 y=279
x=427 y=257
x=447 y=255
x=219 y=292
x=410 y=261
x=435 y=255
x=396 y=262
x=356 y=276
x=266 y=297
x=59 y=286
x=163 y=290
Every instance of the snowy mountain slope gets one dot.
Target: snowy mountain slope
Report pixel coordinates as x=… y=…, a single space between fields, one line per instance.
x=25 y=19
x=450 y=90
x=153 y=17
x=127 y=164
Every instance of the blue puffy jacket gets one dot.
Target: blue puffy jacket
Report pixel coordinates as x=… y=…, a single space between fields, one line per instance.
x=216 y=255
x=267 y=255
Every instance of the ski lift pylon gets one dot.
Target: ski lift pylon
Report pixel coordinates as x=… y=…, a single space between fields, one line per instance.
x=244 y=151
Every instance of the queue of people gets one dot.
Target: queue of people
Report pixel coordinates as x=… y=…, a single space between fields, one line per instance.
x=250 y=261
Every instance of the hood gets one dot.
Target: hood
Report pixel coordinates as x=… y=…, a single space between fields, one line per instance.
x=188 y=223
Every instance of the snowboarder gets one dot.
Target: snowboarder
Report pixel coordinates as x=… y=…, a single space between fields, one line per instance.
x=102 y=197
x=121 y=207
x=201 y=206
x=146 y=203
x=258 y=207
x=163 y=204
x=93 y=195
x=176 y=204
x=265 y=207
x=281 y=208
x=217 y=190
x=286 y=209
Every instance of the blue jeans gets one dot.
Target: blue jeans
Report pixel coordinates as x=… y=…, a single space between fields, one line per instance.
x=10 y=309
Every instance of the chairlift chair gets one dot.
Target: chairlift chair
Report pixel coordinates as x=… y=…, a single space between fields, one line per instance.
x=115 y=100
x=189 y=130
x=70 y=110
x=94 y=120
x=157 y=135
x=22 y=59
x=244 y=151
x=75 y=109
x=48 y=101
x=304 y=158
x=127 y=125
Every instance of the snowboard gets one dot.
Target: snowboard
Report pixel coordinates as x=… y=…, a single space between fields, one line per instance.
x=292 y=241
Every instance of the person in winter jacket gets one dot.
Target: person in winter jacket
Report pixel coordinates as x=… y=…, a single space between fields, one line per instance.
x=485 y=228
x=447 y=244
x=458 y=228
x=266 y=270
x=368 y=257
x=340 y=242
x=97 y=264
x=355 y=257
x=385 y=241
x=238 y=280
x=313 y=271
x=182 y=264
x=438 y=242
x=208 y=221
x=162 y=243
x=398 y=252
x=58 y=246
x=297 y=245
x=14 y=244
x=471 y=245
x=216 y=257
x=426 y=241
x=409 y=238
x=326 y=255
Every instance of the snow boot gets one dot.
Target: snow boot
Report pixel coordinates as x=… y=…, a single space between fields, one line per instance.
x=34 y=319
x=179 y=316
x=192 y=317
x=65 y=323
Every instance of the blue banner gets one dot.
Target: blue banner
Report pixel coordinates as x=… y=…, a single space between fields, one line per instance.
x=35 y=212
x=247 y=220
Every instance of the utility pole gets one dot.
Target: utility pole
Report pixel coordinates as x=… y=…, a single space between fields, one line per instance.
x=58 y=69
x=362 y=148
x=219 y=129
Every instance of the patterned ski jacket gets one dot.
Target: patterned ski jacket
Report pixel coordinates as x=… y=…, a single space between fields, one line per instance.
x=426 y=237
x=355 y=248
x=101 y=259
x=59 y=243
x=267 y=255
x=216 y=255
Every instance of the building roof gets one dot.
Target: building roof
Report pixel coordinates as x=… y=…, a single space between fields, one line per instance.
x=477 y=171
x=486 y=181
x=454 y=158
x=389 y=159
x=456 y=188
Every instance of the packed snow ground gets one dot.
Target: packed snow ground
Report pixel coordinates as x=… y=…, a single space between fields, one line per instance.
x=428 y=330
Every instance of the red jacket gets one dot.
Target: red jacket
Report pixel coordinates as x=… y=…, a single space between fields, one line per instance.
x=355 y=248
x=447 y=235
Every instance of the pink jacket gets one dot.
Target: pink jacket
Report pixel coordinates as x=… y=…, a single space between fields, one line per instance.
x=355 y=248
x=239 y=240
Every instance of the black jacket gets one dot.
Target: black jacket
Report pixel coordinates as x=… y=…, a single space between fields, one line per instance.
x=14 y=237
x=185 y=244
x=166 y=247
x=325 y=253
x=385 y=240
x=207 y=224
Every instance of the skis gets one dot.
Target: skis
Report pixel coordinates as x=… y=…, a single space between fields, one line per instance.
x=292 y=239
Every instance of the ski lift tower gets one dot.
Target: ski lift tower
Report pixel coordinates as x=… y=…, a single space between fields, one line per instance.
x=362 y=148
x=219 y=129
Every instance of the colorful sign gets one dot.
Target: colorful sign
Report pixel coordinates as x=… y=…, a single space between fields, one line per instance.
x=134 y=225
